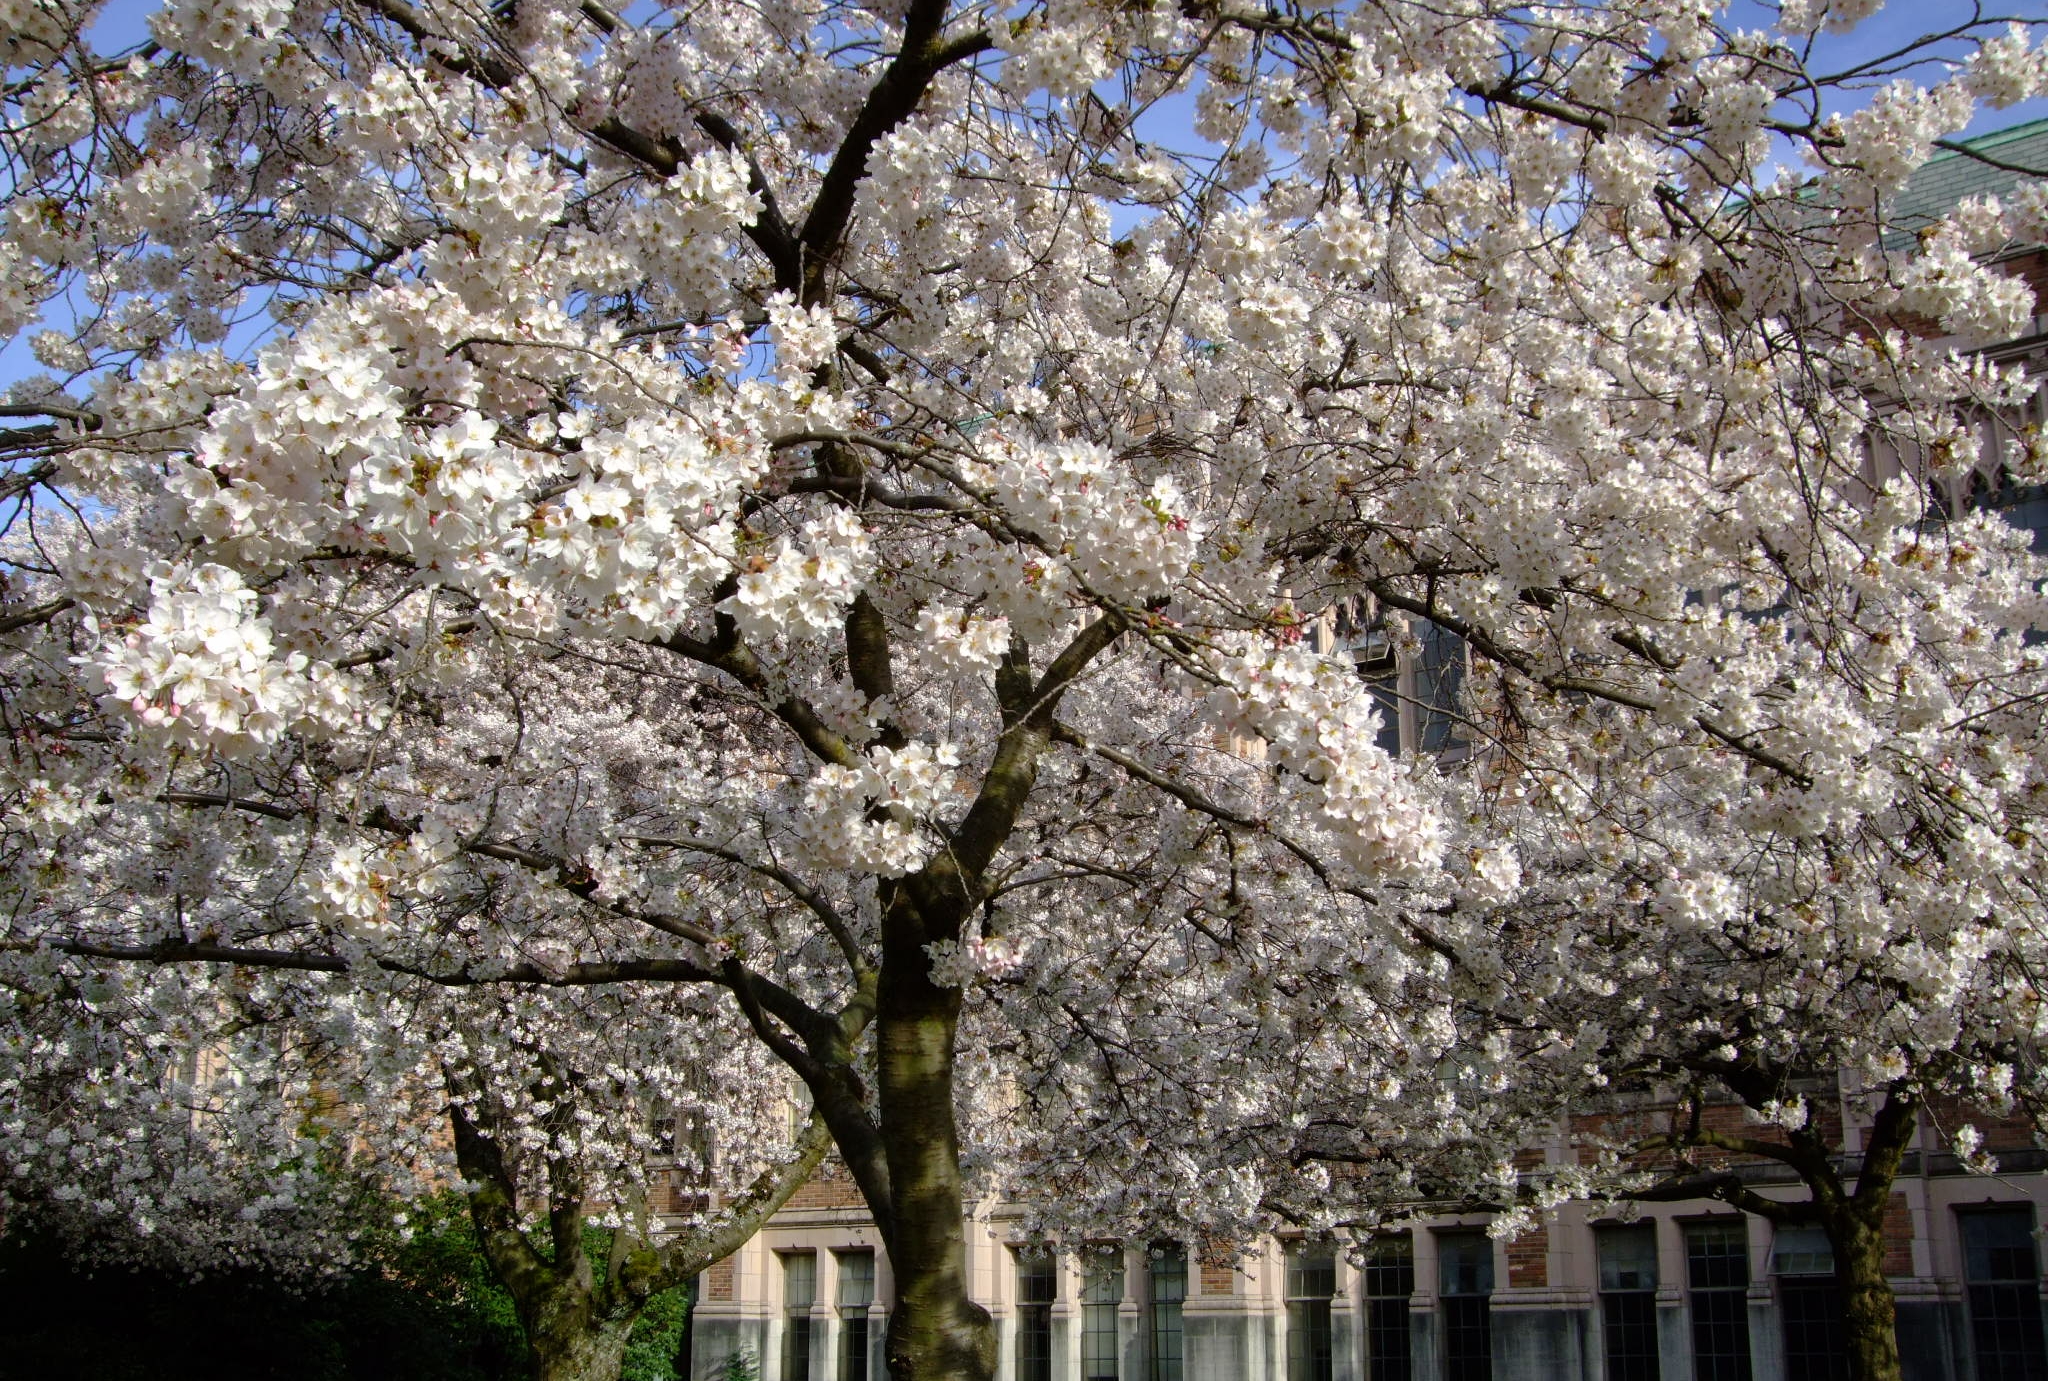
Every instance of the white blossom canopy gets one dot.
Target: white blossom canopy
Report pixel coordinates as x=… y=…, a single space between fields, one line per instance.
x=667 y=538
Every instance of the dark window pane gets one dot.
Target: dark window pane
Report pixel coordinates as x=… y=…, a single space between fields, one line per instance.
x=853 y=1347
x=1035 y=1280
x=1628 y=1327
x=1439 y=680
x=1311 y=1273
x=1308 y=1340
x=1036 y=1286
x=1311 y=1280
x=1717 y=1270
x=799 y=1290
x=1102 y=1287
x=1464 y=1263
x=1390 y=1267
x=1802 y=1252
x=1389 y=1340
x=1628 y=1301
x=1628 y=1257
x=1816 y=1338
x=2005 y=1295
x=796 y=1349
x=1717 y=1255
x=1465 y=1280
x=856 y=1293
x=1998 y=1244
x=2005 y=1329
x=1468 y=1338
x=1720 y=1335
x=1389 y=1333
x=1169 y=1288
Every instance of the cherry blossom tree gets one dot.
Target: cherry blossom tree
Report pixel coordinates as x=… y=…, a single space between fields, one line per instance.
x=193 y=1118
x=551 y=534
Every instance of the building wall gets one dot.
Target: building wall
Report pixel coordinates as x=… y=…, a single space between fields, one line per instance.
x=1545 y=1312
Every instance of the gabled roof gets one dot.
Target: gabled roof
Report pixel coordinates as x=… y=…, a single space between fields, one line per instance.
x=1943 y=182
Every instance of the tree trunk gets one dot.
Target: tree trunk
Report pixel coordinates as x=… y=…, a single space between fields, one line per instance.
x=1852 y=1219
x=576 y=1329
x=1869 y=1313
x=568 y=1345
x=936 y=1333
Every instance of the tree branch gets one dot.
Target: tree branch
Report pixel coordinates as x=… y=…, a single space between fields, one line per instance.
x=921 y=57
x=1729 y=1189
x=745 y=1215
x=568 y=875
x=1485 y=643
x=583 y=975
x=810 y=896
x=37 y=613
x=770 y=232
x=953 y=877
x=1884 y=1149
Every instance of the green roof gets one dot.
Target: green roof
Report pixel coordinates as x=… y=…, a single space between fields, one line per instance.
x=1943 y=182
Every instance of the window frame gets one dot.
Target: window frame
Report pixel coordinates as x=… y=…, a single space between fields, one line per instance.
x=1718 y=1310
x=1628 y=1304
x=1103 y=1281
x=1387 y=1283
x=1993 y=1299
x=855 y=1334
x=796 y=1316
x=1034 y=1312
x=1311 y=1338
x=1164 y=1363
x=1466 y=1314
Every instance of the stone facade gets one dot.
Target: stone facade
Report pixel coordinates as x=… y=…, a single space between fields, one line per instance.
x=1545 y=1308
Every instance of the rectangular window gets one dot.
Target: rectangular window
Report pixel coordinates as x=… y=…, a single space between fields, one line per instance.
x=2004 y=1278
x=1102 y=1290
x=1465 y=1283
x=1628 y=1300
x=1389 y=1285
x=1169 y=1288
x=1311 y=1282
x=1717 y=1289
x=1371 y=645
x=1036 y=1285
x=1810 y=1305
x=856 y=1293
x=799 y=1292
x=1439 y=683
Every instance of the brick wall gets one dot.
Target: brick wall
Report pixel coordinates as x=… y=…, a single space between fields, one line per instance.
x=1728 y=1119
x=831 y=1187
x=1898 y=1237
x=1529 y=1260
x=2031 y=269
x=2013 y=1132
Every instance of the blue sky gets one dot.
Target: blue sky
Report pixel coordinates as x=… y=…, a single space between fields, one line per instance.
x=124 y=22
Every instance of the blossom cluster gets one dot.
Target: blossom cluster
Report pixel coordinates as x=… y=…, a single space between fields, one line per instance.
x=1129 y=541
x=1321 y=723
x=871 y=818
x=200 y=670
